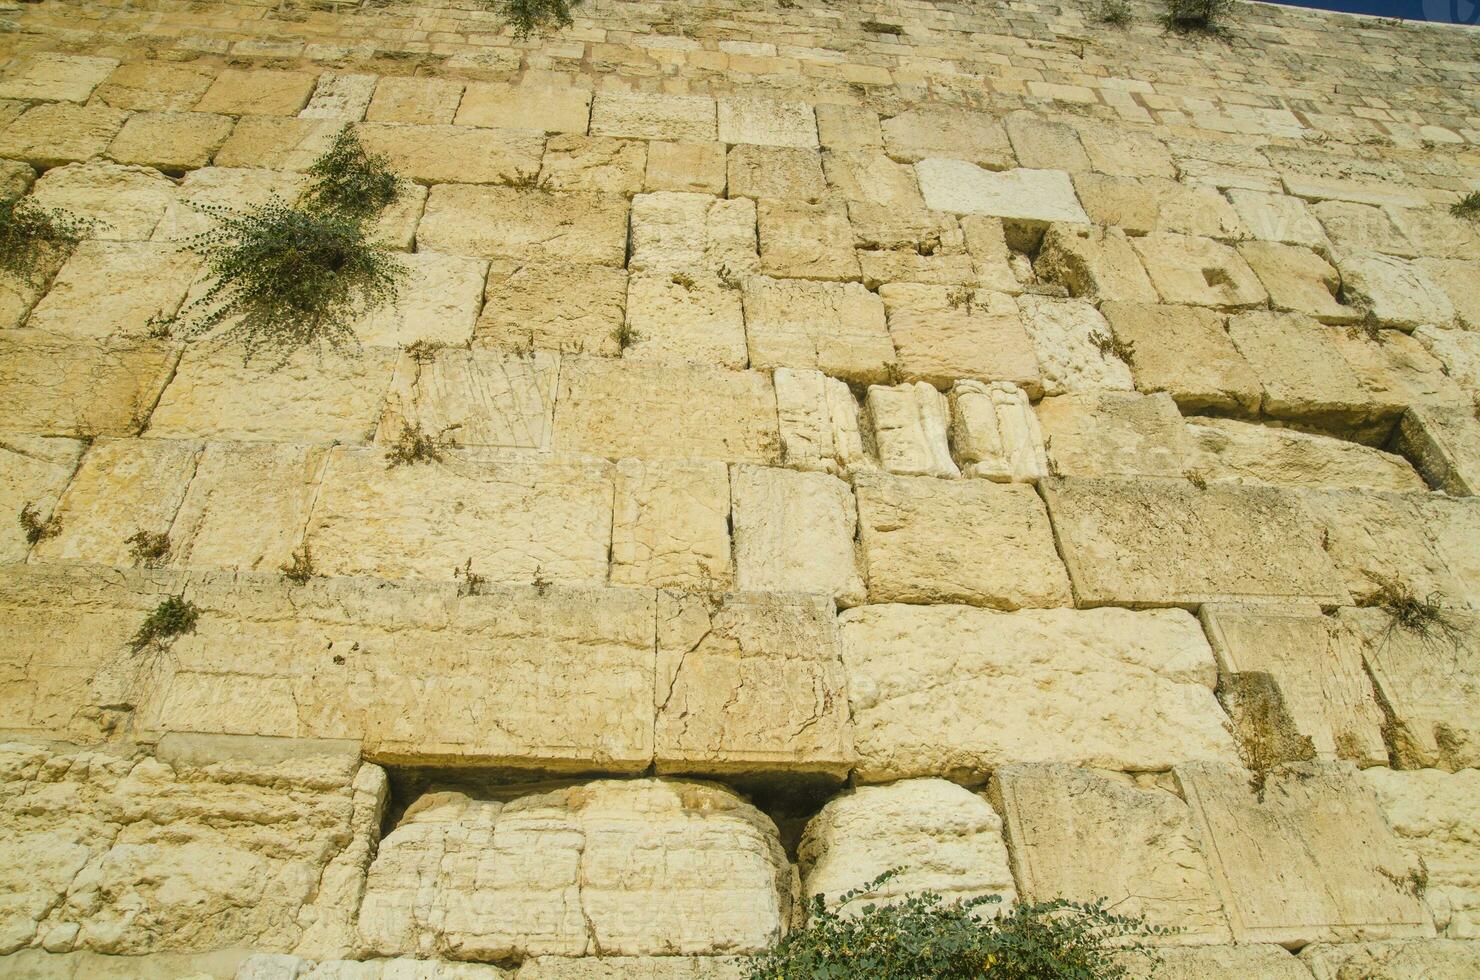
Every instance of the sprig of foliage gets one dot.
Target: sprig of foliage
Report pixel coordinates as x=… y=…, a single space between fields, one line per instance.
x=171 y=618
x=416 y=445
x=1196 y=16
x=35 y=529
x=529 y=17
x=922 y=937
x=351 y=180
x=299 y=568
x=32 y=238
x=1116 y=13
x=1424 y=617
x=1467 y=206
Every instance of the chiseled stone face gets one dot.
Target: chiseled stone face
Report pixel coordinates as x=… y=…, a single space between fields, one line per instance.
x=1186 y=352
x=995 y=433
x=943 y=334
x=670 y=524
x=1069 y=337
x=33 y=472
x=794 y=532
x=1094 y=263
x=909 y=423
x=693 y=233
x=1112 y=433
x=1244 y=452
x=125 y=204
x=1394 y=959
x=1264 y=960
x=49 y=76
x=818 y=417
x=836 y=328
x=529 y=225
x=55 y=386
x=472 y=398
x=1436 y=816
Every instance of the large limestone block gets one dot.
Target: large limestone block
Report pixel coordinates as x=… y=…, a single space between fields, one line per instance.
x=940 y=837
x=126 y=203
x=1379 y=538
x=688 y=233
x=954 y=691
x=541 y=108
x=552 y=306
x=1341 y=873
x=1397 y=370
x=524 y=224
x=58 y=386
x=1278 y=218
x=132 y=856
x=1151 y=204
x=1156 y=543
x=1362 y=226
x=767 y=122
x=1452 y=525
x=684 y=319
x=633 y=967
x=799 y=240
x=277 y=142
x=1094 y=263
x=115 y=289
x=1041 y=143
x=924 y=246
x=1396 y=291
x=1026 y=198
x=473 y=397
x=995 y=433
x=1185 y=352
x=651 y=116
x=1316 y=667
x=258 y=92
x=690 y=167
x=1304 y=376
x=836 y=328
x=670 y=524
x=1199 y=272
x=872 y=177
x=1243 y=452
x=123 y=486
x=1080 y=835
x=943 y=335
x=1437 y=233
x=1109 y=433
x=341 y=96
x=156 y=86
x=909 y=423
x=38 y=964
x=666 y=411
x=240 y=189
x=593 y=163
x=415 y=99
x=1393 y=959
x=438 y=302
x=1071 y=340
x=313 y=397
x=54 y=133
x=173 y=142
x=1126 y=152
x=847 y=127
x=516 y=518
x=818 y=419
x=775 y=171
x=33 y=472
x=974 y=136
x=51 y=76
x=794 y=532
x=973 y=542
x=1436 y=816
x=750 y=683
x=1443 y=441
x=626 y=868
x=1455 y=278
x=1298 y=280
x=270 y=966
x=1263 y=960
x=456 y=154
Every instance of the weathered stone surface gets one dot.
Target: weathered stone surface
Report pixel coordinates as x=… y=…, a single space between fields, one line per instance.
x=240 y=189
x=794 y=532
x=1125 y=152
x=942 y=838
x=848 y=127
x=1298 y=280
x=1185 y=352
x=552 y=306
x=50 y=76
x=38 y=964
x=418 y=99
x=909 y=423
x=1146 y=543
x=1094 y=263
x=954 y=691
x=675 y=232
x=973 y=542
x=942 y=335
x=1199 y=272
x=995 y=433
x=1079 y=834
x=961 y=134
x=1436 y=233
x=54 y=133
x=528 y=225
x=806 y=241
x=1304 y=376
x=258 y=93
x=1278 y=218
x=628 y=868
x=632 y=968
x=1242 y=452
x=1263 y=960
x=282 y=966
x=58 y=386
x=1342 y=874
x=474 y=398
x=593 y=163
x=540 y=108
x=1396 y=370
x=1108 y=433
x=1393 y=959
x=277 y=142
x=127 y=203
x=1379 y=538
x=1071 y=339
x=1455 y=278
x=750 y=683
x=1452 y=525
x=1040 y=143
x=872 y=177
x=1443 y=441
x=767 y=122
x=1156 y=204
x=818 y=419
x=1361 y=227
x=438 y=302
x=1434 y=815
x=654 y=117
x=837 y=328
x=33 y=472
x=1396 y=290
x=340 y=95
x=170 y=141
x=697 y=168
x=155 y=86
x=1031 y=198
x=670 y=524
x=683 y=318
x=115 y=289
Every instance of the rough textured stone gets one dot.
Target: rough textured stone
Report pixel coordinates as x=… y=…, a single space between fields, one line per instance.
x=818 y=419
x=230 y=187
x=655 y=117
x=1396 y=370
x=683 y=318
x=688 y=167
x=1397 y=291
x=170 y=141
x=50 y=76
x=57 y=386
x=414 y=100
x=837 y=328
x=1199 y=272
x=127 y=203
x=1109 y=433
x=1394 y=959
x=1094 y=264
x=475 y=398
x=1361 y=226
x=954 y=691
x=942 y=335
x=55 y=133
x=806 y=241
x=909 y=424
x=540 y=108
x=675 y=232
x=1304 y=376
x=1263 y=960
x=258 y=93
x=277 y=142
x=1071 y=339
x=1155 y=204
x=1185 y=352
x=632 y=968
x=438 y=302
x=593 y=163
x=552 y=306
x=957 y=133
x=1434 y=815
x=794 y=533
x=1443 y=441
x=528 y=225
x=1242 y=452
x=115 y=289
x=995 y=433
x=1455 y=278
x=766 y=122
x=33 y=472
x=1033 y=198
x=153 y=86
x=1298 y=280
x=340 y=95
x=670 y=524
x=1278 y=218
x=1377 y=538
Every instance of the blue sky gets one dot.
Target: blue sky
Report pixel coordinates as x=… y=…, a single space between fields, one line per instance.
x=1452 y=11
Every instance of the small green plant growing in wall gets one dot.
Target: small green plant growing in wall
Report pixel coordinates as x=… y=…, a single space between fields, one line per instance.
x=1196 y=16
x=1467 y=206
x=1116 y=13
x=299 y=568
x=416 y=445
x=351 y=180
x=35 y=529
x=173 y=617
x=1424 y=617
x=34 y=240
x=529 y=17
x=149 y=549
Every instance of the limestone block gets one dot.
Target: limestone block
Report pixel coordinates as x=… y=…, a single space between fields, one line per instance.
x=632 y=967
x=972 y=542
x=228 y=187
x=33 y=472
x=963 y=135
x=133 y=855
x=995 y=434
x=1125 y=152
x=675 y=232
x=1397 y=370
x=247 y=506
x=415 y=99
x=837 y=328
x=1397 y=291
x=1298 y=280
x=437 y=303
x=457 y=154
x=313 y=397
x=155 y=86
x=996 y=265
x=593 y=163
x=1263 y=960
x=1304 y=376
x=528 y=225
x=1393 y=959
x=670 y=524
x=38 y=964
x=1104 y=433
x=258 y=92
x=872 y=177
x=651 y=116
x=1436 y=233
x=540 y=108
x=517 y=518
x=1318 y=188
x=806 y=241
x=942 y=838
x=1185 y=352
x=126 y=202
x=1243 y=452
x=1153 y=543
x=954 y=691
x=750 y=683
x=53 y=77
x=54 y=133
x=1342 y=874
x=340 y=95
x=775 y=171
x=1045 y=144
x=170 y=141
x=1455 y=279
x=909 y=423
x=1094 y=263
x=474 y=398
x=682 y=411
x=621 y=867
x=767 y=123
x=848 y=127
x=942 y=335
x=688 y=167
x=1452 y=526
x=1363 y=227
x=115 y=289
x=1030 y=198
x=1080 y=835
x=1151 y=204
x=1071 y=341
x=1434 y=815
x=267 y=966
x=278 y=142
x=794 y=532
x=1375 y=538
x=16 y=179
x=917 y=246
x=552 y=306
x=1443 y=441
x=1457 y=350
x=123 y=486
x=1199 y=272
x=1278 y=218
x=56 y=386
x=818 y=419
x=683 y=318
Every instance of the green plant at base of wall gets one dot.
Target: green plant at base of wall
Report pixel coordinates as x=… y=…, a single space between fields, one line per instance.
x=33 y=238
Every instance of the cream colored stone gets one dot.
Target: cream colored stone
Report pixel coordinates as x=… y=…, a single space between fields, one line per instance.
x=948 y=132
x=593 y=163
x=49 y=76
x=552 y=306
x=115 y=289
x=1153 y=543
x=1396 y=291
x=278 y=142
x=818 y=419
x=1452 y=526
x=954 y=691
x=1304 y=376
x=1375 y=538
x=33 y=472
x=1434 y=815
x=670 y=524
x=1185 y=352
x=57 y=386
x=691 y=233
x=438 y=303
x=687 y=167
x=340 y=95
x=806 y=241
x=1081 y=835
x=1278 y=218
x=1152 y=204
x=1393 y=959
x=632 y=968
x=1263 y=960
x=540 y=108
x=127 y=203
x=455 y=154
x=1104 y=433
x=848 y=127
x=267 y=966
x=1444 y=443
x=1199 y=272
x=226 y=187
x=528 y=225
x=155 y=86
x=1070 y=338
x=1241 y=452
x=1123 y=151
x=994 y=263
x=16 y=179
x=1397 y=371
x=1455 y=279
x=258 y=93
x=837 y=328
x=1342 y=873
x=767 y=122
x=418 y=99
x=1298 y=280
x=1437 y=233
x=1043 y=143
x=654 y=117
x=971 y=542
x=872 y=177
x=1030 y=198
x=1362 y=226
x=775 y=171
x=995 y=434
x=683 y=318
x=170 y=141
x=909 y=423
x=1094 y=264
x=794 y=533
x=56 y=133
x=942 y=335
x=628 y=868
x=472 y=398
x=940 y=837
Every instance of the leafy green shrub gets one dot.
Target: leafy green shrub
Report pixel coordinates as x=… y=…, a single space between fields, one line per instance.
x=416 y=445
x=299 y=568
x=1196 y=16
x=35 y=528
x=350 y=179
x=1115 y=12
x=171 y=618
x=1467 y=206
x=149 y=549
x=33 y=238
x=532 y=16
x=923 y=937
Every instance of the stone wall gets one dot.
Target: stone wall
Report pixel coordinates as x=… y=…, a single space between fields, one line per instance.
x=969 y=438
